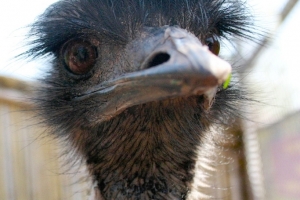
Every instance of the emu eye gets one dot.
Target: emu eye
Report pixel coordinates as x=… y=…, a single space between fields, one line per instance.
x=213 y=45
x=79 y=56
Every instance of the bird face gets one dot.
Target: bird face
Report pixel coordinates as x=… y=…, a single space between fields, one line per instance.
x=172 y=63
x=135 y=84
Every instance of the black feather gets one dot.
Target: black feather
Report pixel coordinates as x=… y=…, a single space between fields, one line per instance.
x=120 y=21
x=148 y=151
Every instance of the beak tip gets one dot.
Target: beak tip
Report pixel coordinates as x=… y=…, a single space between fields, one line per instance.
x=220 y=69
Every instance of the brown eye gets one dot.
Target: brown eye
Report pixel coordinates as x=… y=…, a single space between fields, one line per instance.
x=213 y=45
x=79 y=56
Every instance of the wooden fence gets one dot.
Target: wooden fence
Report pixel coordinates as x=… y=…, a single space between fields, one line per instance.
x=29 y=161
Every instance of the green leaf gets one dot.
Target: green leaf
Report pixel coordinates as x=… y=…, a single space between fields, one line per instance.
x=227 y=82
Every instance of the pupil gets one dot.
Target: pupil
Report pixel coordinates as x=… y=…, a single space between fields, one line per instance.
x=82 y=54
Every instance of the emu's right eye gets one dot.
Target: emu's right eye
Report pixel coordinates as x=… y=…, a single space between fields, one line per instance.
x=79 y=56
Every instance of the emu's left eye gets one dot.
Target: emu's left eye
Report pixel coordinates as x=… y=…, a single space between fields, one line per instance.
x=213 y=45
x=79 y=56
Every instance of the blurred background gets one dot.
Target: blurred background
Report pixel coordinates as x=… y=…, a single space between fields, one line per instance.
x=270 y=142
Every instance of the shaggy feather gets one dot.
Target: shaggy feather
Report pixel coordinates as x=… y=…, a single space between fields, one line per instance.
x=148 y=151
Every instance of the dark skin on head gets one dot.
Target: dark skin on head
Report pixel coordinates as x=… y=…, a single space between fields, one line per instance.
x=135 y=85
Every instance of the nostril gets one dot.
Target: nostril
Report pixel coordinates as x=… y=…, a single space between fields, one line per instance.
x=158 y=59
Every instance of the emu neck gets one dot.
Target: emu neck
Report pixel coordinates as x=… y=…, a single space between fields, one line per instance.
x=147 y=152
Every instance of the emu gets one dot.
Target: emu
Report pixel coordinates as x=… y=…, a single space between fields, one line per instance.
x=135 y=87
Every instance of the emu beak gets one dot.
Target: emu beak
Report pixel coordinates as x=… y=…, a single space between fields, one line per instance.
x=179 y=65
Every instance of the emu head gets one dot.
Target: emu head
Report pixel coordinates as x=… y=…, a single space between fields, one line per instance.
x=135 y=85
